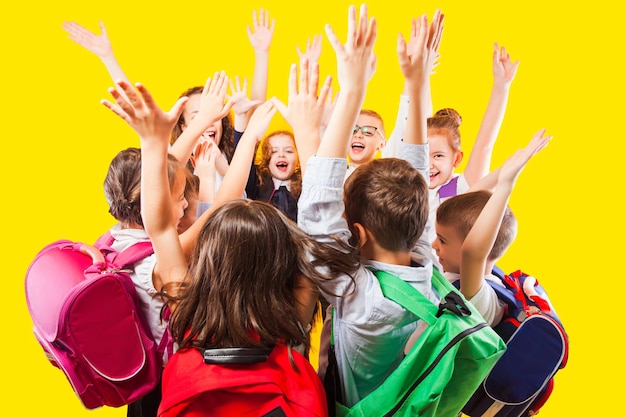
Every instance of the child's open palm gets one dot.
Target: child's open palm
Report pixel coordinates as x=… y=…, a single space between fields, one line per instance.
x=239 y=97
x=504 y=69
x=140 y=111
x=213 y=103
x=261 y=36
x=418 y=56
x=98 y=44
x=356 y=62
x=513 y=166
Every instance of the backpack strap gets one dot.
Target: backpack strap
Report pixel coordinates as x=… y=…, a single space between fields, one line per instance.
x=133 y=253
x=128 y=256
x=414 y=301
x=449 y=189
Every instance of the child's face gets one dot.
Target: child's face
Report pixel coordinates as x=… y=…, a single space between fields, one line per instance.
x=179 y=202
x=364 y=146
x=284 y=157
x=192 y=107
x=448 y=244
x=443 y=160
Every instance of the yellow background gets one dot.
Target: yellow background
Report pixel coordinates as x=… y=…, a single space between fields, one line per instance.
x=59 y=140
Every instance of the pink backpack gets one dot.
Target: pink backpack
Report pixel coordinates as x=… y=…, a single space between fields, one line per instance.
x=87 y=318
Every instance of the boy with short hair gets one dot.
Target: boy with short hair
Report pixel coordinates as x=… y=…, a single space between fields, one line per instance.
x=386 y=207
x=475 y=229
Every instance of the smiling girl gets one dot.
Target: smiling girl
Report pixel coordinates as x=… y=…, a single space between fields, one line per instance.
x=278 y=173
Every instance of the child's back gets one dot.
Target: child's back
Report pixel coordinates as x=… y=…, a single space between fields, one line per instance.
x=389 y=199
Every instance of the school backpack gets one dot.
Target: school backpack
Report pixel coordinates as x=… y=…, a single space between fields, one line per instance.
x=522 y=380
x=443 y=368
x=88 y=320
x=241 y=382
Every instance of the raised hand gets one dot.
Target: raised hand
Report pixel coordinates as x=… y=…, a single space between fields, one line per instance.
x=213 y=103
x=418 y=57
x=504 y=69
x=305 y=107
x=262 y=32
x=98 y=44
x=356 y=62
x=313 y=50
x=137 y=108
x=239 y=97
x=513 y=166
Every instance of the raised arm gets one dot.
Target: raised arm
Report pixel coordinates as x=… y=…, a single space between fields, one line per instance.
x=416 y=64
x=356 y=64
x=153 y=126
x=213 y=107
x=234 y=183
x=99 y=45
x=479 y=241
x=504 y=70
x=261 y=39
x=305 y=108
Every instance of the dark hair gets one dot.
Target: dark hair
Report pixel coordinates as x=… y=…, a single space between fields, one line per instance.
x=390 y=198
x=263 y=171
x=461 y=212
x=122 y=185
x=446 y=122
x=227 y=141
x=243 y=274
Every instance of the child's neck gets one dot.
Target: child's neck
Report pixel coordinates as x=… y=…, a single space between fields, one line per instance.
x=376 y=253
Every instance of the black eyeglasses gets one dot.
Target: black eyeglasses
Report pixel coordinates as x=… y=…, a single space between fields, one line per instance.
x=366 y=130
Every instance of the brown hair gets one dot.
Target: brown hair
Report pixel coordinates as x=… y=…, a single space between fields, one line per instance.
x=122 y=185
x=227 y=141
x=390 y=198
x=446 y=122
x=461 y=212
x=263 y=170
x=243 y=275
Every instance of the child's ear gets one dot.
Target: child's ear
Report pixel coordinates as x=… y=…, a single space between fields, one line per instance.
x=361 y=234
x=458 y=158
x=383 y=142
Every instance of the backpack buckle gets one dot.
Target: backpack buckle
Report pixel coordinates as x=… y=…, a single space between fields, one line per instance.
x=454 y=303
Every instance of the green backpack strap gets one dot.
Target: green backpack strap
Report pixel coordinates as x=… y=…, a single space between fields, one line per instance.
x=414 y=301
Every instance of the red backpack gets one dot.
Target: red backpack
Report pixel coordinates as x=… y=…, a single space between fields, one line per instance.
x=241 y=382
x=88 y=320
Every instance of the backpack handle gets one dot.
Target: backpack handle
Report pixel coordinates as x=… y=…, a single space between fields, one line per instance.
x=91 y=251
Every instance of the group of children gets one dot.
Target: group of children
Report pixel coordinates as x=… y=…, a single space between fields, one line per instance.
x=239 y=272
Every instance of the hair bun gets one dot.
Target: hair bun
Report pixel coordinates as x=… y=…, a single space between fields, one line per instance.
x=451 y=114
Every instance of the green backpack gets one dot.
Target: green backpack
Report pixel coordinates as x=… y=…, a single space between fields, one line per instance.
x=445 y=365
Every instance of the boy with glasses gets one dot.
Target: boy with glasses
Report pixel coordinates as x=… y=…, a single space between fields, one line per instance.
x=368 y=139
